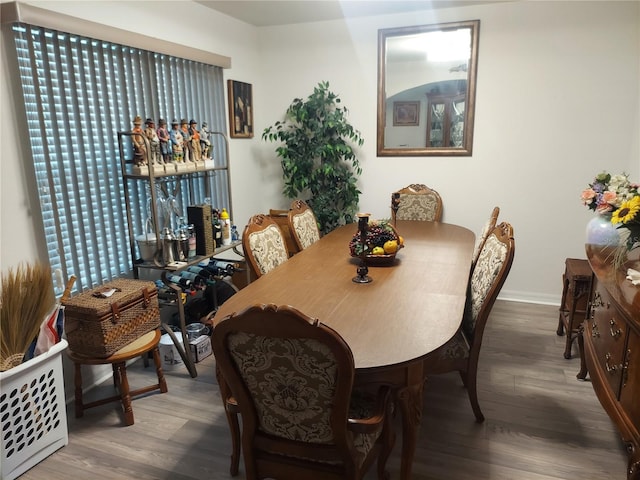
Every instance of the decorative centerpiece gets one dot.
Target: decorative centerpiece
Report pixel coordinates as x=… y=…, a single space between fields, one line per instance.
x=616 y=202
x=380 y=245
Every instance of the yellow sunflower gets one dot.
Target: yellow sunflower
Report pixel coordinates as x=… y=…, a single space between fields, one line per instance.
x=627 y=211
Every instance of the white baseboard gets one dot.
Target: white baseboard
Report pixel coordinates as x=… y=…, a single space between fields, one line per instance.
x=528 y=297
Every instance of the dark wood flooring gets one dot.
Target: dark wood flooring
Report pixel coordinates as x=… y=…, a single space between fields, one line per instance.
x=541 y=423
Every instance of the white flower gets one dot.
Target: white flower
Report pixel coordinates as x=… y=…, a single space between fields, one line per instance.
x=618 y=181
x=620 y=185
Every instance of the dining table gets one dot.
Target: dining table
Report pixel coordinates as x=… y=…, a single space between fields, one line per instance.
x=412 y=306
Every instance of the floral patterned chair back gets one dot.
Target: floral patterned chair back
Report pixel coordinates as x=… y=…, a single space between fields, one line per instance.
x=292 y=378
x=303 y=224
x=263 y=244
x=489 y=225
x=462 y=351
x=487 y=278
x=418 y=202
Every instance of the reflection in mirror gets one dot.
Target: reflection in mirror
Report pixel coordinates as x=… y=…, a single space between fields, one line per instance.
x=426 y=89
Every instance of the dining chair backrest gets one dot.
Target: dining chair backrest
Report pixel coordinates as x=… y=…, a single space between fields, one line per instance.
x=263 y=244
x=417 y=202
x=487 y=227
x=303 y=224
x=281 y=217
x=292 y=377
x=489 y=274
x=461 y=353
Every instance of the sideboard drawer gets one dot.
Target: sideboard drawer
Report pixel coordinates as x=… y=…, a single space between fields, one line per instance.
x=630 y=392
x=612 y=347
x=608 y=331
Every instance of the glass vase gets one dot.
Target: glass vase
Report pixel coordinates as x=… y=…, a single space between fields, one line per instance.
x=604 y=243
x=601 y=232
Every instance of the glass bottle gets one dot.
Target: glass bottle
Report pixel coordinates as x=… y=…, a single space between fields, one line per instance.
x=226 y=227
x=217 y=228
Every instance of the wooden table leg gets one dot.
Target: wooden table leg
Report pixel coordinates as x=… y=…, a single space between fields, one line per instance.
x=79 y=405
x=162 y=383
x=232 y=420
x=410 y=399
x=563 y=306
x=125 y=394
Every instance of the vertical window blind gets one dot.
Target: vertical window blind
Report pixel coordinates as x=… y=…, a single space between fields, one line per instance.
x=78 y=93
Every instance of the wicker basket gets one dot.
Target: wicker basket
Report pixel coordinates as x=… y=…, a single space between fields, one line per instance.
x=98 y=327
x=383 y=260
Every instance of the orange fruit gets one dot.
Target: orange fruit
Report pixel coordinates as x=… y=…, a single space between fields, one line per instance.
x=390 y=247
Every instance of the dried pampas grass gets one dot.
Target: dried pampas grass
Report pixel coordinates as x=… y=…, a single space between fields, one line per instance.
x=25 y=298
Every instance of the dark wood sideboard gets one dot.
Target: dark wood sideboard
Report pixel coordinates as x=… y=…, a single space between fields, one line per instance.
x=611 y=348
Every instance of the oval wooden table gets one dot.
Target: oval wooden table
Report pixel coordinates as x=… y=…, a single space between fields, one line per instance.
x=409 y=309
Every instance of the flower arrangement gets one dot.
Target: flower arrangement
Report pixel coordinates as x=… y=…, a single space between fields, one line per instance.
x=608 y=192
x=616 y=195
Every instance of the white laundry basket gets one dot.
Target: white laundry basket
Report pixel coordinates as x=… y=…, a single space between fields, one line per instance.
x=32 y=412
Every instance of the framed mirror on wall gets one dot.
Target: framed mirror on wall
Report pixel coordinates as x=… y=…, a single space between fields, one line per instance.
x=427 y=80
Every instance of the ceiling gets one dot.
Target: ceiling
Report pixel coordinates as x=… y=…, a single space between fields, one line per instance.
x=263 y=13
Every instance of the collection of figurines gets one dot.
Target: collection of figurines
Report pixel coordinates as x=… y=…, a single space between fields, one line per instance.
x=182 y=148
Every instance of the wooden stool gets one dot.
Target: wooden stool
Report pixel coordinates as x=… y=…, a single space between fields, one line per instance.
x=576 y=282
x=146 y=343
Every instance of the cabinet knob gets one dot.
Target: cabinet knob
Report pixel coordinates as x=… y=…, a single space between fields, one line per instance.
x=597 y=300
x=615 y=333
x=612 y=369
x=625 y=369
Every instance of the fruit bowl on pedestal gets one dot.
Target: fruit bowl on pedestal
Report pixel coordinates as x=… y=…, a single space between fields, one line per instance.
x=381 y=244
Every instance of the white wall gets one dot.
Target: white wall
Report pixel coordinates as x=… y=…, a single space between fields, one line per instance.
x=558 y=100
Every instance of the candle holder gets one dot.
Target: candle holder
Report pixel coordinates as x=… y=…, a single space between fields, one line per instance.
x=395 y=205
x=362 y=270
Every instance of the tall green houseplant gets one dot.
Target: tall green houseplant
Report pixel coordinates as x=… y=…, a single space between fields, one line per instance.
x=318 y=161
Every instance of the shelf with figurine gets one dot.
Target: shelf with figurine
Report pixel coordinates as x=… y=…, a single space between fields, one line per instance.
x=171 y=183
x=161 y=152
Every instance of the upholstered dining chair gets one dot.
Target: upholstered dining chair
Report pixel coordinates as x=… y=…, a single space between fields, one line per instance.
x=232 y=411
x=292 y=377
x=303 y=224
x=281 y=217
x=416 y=202
x=263 y=244
x=488 y=227
x=462 y=351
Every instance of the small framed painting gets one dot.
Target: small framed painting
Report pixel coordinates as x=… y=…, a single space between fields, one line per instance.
x=240 y=109
x=406 y=114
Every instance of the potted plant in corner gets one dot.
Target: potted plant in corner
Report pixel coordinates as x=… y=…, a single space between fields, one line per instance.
x=318 y=161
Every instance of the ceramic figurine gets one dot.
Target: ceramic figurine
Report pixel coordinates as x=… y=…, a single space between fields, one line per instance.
x=165 y=140
x=177 y=142
x=139 y=146
x=205 y=143
x=195 y=141
x=154 y=142
x=186 y=136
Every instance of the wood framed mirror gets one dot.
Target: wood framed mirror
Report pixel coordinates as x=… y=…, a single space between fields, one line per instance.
x=433 y=69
